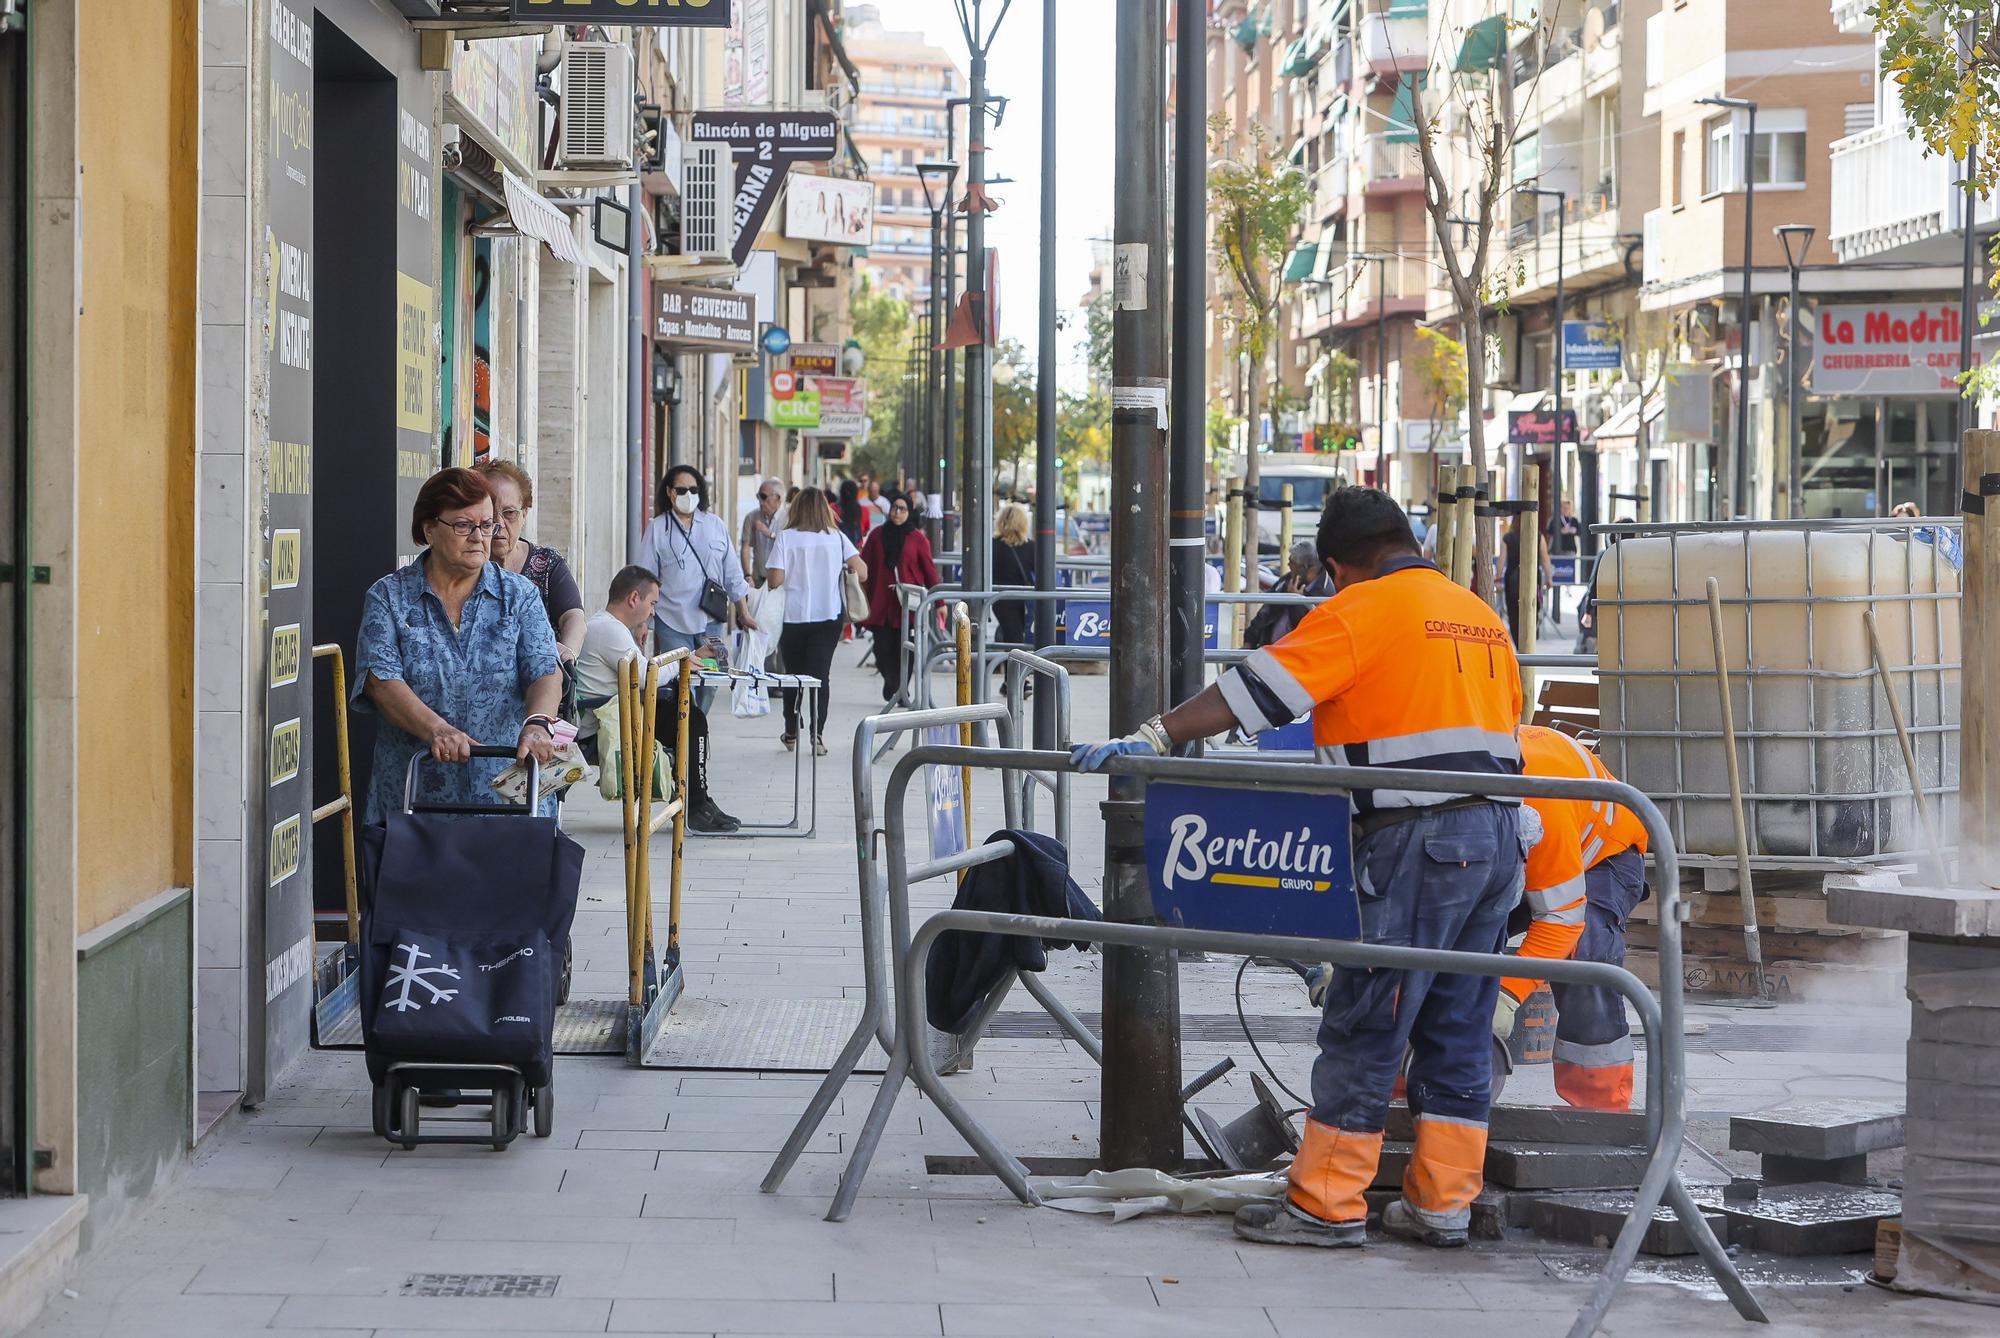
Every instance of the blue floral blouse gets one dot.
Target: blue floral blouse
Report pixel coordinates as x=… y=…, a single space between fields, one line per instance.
x=476 y=677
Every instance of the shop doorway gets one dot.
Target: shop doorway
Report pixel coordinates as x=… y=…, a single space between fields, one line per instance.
x=357 y=531
x=15 y=1087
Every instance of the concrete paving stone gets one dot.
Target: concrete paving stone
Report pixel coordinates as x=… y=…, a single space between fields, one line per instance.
x=519 y=1205
x=1542 y=1124
x=438 y=1314
x=472 y=1256
x=886 y=1282
x=752 y=1210
x=1803 y=1220
x=609 y=1230
x=173 y=1317
x=1033 y=1320
x=1822 y=1130
x=1110 y=1252
x=754 y=1085
x=1597 y=1219
x=678 y=1272
x=824 y=1319
x=1563 y=1166
x=671 y=1139
x=1367 y=1286
x=1809 y=1170
x=1318 y=1322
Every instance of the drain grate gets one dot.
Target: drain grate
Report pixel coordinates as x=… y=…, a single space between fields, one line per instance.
x=507 y=1286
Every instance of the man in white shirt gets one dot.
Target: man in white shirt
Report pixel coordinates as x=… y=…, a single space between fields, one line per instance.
x=612 y=636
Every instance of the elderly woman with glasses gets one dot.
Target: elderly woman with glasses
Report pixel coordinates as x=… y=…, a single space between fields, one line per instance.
x=454 y=651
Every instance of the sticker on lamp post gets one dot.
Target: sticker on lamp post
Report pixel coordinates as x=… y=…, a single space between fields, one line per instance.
x=1251 y=861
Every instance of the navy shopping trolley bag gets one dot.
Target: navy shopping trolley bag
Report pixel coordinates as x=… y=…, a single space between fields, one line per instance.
x=465 y=923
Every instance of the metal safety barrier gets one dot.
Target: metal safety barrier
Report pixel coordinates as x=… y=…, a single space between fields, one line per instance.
x=1661 y=1018
x=877 y=1020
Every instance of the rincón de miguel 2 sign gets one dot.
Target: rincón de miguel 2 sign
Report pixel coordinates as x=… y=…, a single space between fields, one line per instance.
x=1887 y=348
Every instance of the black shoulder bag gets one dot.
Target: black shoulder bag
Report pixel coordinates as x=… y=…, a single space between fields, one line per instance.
x=714 y=601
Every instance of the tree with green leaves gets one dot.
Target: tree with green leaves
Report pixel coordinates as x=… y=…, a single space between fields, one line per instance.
x=1439 y=366
x=1256 y=202
x=1464 y=123
x=1013 y=411
x=1945 y=58
x=886 y=333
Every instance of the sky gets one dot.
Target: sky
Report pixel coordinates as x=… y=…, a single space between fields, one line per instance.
x=1084 y=90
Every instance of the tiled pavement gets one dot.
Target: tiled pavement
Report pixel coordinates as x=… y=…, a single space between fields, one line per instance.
x=644 y=1206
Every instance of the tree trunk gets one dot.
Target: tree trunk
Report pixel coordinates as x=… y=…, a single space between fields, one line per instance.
x=1252 y=432
x=1475 y=436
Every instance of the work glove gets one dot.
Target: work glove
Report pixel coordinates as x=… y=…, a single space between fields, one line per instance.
x=1317 y=980
x=1149 y=740
x=1504 y=1010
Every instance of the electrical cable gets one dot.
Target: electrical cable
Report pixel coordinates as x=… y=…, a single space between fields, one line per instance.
x=1257 y=1050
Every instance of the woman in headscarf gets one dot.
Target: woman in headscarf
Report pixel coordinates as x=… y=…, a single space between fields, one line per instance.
x=896 y=552
x=848 y=508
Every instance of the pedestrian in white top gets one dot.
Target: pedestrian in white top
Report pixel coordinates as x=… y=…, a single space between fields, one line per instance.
x=806 y=562
x=689 y=548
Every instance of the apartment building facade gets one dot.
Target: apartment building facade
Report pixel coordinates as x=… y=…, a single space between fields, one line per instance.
x=903 y=118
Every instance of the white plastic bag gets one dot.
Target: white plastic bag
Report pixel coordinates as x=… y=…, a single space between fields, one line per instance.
x=748 y=696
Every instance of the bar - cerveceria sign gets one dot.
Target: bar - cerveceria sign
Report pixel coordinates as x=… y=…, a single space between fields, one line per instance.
x=657 y=13
x=707 y=318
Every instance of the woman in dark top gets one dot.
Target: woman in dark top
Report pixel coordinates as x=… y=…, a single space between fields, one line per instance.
x=1013 y=564
x=896 y=551
x=513 y=497
x=848 y=508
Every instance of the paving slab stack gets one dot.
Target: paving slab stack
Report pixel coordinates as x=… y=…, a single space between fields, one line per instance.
x=1951 y=1172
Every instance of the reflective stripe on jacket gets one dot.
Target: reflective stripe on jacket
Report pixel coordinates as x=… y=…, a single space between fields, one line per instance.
x=1405 y=670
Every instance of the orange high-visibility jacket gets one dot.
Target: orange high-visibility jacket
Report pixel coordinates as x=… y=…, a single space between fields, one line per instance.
x=1577 y=835
x=1405 y=670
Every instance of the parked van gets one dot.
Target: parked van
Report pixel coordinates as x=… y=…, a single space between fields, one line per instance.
x=1312 y=480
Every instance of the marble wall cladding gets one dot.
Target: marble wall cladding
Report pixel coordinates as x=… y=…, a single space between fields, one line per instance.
x=222 y=542
x=219 y=926
x=219 y=1051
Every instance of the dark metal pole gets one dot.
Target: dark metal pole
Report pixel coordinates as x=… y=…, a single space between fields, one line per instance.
x=1188 y=448
x=1381 y=382
x=947 y=449
x=1046 y=486
x=1141 y=1086
x=976 y=481
x=1740 y=501
x=638 y=375
x=1529 y=560
x=934 y=420
x=1791 y=401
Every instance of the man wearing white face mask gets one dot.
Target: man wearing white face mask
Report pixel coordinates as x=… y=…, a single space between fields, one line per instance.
x=688 y=547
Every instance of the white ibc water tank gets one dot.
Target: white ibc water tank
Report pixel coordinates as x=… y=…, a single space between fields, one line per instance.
x=1822 y=774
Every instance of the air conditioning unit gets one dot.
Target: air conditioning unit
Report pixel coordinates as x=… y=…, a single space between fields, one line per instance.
x=708 y=202
x=597 y=108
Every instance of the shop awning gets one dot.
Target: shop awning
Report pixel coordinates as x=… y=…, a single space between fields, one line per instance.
x=1304 y=260
x=1485 y=46
x=1622 y=427
x=533 y=216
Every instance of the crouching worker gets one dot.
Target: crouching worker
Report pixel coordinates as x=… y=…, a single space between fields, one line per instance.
x=611 y=637
x=1584 y=876
x=1399 y=668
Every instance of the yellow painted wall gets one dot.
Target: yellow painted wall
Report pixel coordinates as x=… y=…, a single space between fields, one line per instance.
x=138 y=145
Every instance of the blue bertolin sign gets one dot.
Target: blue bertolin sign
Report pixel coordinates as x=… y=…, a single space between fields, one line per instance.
x=1251 y=861
x=1088 y=623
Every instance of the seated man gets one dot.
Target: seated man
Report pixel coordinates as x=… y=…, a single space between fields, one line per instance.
x=613 y=635
x=1583 y=878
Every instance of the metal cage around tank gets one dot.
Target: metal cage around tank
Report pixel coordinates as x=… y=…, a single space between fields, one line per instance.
x=1825 y=786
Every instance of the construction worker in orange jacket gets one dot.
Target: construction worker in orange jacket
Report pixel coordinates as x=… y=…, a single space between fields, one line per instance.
x=1399 y=668
x=1583 y=878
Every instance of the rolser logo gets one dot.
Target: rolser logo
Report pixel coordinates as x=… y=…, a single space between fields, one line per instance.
x=1290 y=861
x=519 y=952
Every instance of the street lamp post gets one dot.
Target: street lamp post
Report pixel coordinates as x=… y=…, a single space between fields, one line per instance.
x=1381 y=369
x=936 y=177
x=1797 y=239
x=1740 y=475
x=1554 y=521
